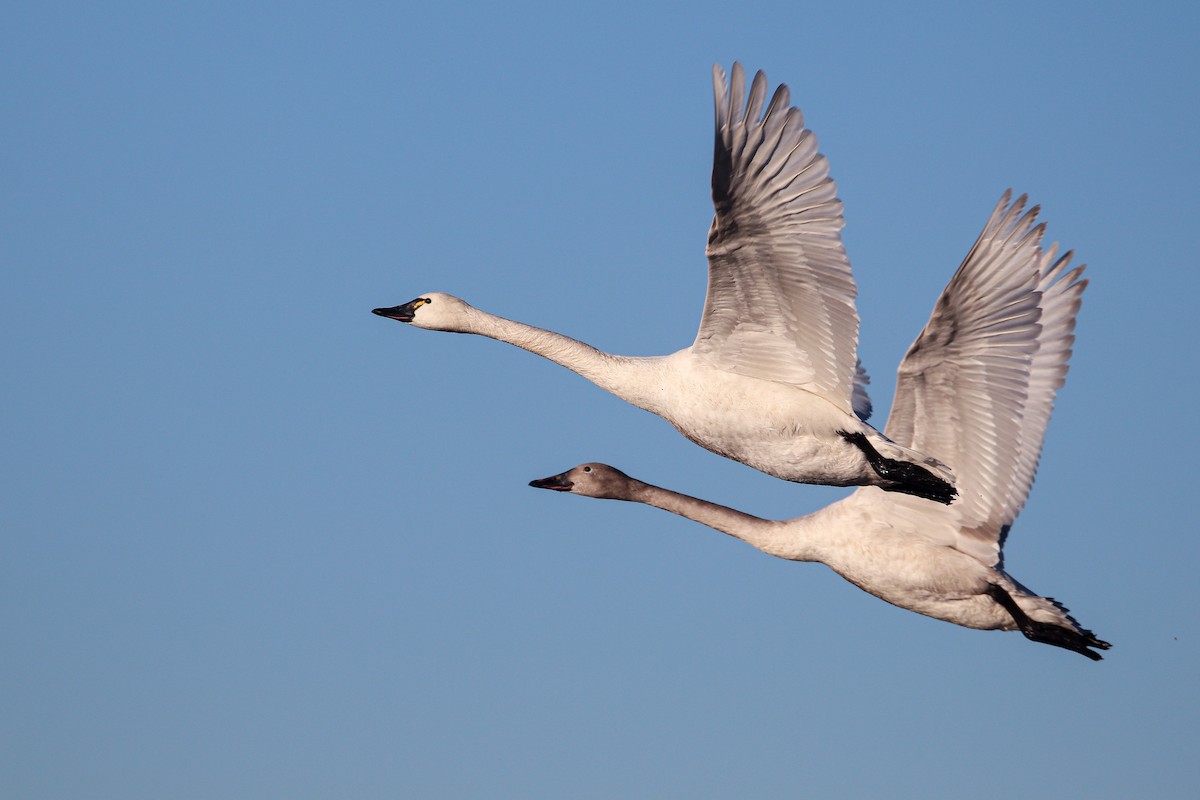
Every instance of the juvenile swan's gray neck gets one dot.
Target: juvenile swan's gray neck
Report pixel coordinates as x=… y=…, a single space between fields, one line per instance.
x=777 y=538
x=626 y=377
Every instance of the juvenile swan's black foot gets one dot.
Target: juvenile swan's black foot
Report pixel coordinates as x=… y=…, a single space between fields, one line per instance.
x=902 y=476
x=1046 y=633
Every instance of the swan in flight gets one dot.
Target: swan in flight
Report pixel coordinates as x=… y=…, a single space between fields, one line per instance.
x=772 y=379
x=975 y=389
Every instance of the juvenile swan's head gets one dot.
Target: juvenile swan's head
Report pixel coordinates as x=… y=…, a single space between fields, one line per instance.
x=435 y=311
x=590 y=480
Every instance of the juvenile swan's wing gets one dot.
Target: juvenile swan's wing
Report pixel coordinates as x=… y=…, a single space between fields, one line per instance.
x=976 y=388
x=780 y=302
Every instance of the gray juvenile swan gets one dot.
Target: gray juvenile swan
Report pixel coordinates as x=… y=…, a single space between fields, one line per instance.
x=975 y=389
x=772 y=379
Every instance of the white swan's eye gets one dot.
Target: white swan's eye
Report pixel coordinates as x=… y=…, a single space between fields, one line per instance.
x=426 y=300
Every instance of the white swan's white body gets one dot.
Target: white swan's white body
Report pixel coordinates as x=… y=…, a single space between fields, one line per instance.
x=976 y=389
x=772 y=379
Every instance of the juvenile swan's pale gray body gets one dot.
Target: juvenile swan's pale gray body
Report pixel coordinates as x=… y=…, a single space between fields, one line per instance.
x=772 y=379
x=975 y=390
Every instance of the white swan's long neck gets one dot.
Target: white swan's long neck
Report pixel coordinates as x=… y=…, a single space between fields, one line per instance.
x=783 y=538
x=627 y=377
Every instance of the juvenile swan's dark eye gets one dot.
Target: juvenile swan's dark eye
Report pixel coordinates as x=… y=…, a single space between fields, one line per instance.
x=587 y=469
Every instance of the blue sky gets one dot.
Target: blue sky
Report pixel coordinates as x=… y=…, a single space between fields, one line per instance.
x=261 y=543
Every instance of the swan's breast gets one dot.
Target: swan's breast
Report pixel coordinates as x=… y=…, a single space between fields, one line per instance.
x=774 y=427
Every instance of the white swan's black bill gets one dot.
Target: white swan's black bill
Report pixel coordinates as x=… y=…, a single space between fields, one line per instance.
x=404 y=313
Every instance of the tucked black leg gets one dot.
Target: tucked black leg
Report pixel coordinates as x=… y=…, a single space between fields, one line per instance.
x=902 y=476
x=1046 y=633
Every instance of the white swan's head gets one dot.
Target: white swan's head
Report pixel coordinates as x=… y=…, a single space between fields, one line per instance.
x=436 y=311
x=591 y=480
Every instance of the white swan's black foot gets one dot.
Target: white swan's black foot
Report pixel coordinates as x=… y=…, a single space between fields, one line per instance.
x=902 y=476
x=1044 y=632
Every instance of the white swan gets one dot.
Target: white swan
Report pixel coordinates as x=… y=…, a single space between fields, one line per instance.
x=976 y=390
x=772 y=378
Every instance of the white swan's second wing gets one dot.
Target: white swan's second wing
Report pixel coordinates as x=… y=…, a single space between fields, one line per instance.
x=977 y=386
x=780 y=302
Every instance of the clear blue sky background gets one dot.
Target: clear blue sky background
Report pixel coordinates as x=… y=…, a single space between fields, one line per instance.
x=260 y=543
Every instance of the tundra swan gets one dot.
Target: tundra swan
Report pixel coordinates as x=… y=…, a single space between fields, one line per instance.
x=772 y=378
x=975 y=389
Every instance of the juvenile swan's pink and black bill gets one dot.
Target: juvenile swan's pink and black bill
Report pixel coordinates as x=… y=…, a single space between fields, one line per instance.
x=558 y=483
x=404 y=313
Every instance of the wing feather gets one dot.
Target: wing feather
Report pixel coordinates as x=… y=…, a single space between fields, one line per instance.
x=859 y=398
x=977 y=386
x=780 y=303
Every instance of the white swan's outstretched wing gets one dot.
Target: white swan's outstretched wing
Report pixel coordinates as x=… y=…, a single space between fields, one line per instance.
x=780 y=302
x=977 y=386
